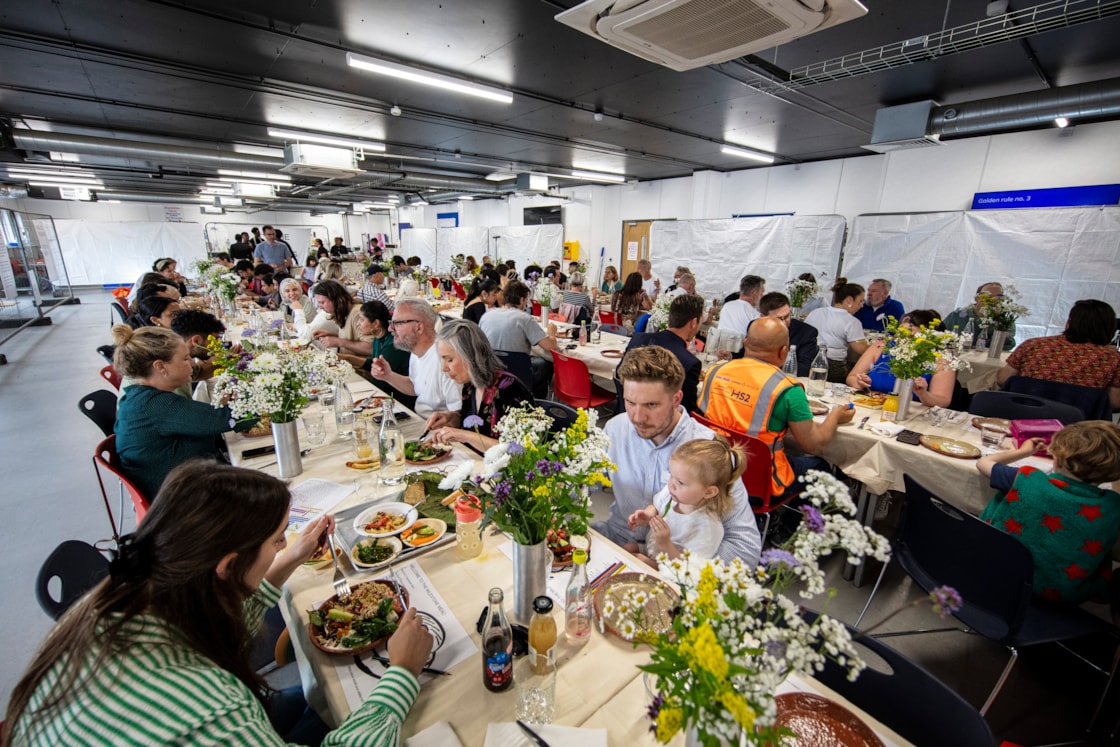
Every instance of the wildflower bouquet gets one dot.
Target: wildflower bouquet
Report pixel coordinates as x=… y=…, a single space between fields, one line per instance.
x=735 y=636
x=659 y=314
x=224 y=285
x=533 y=480
x=202 y=267
x=276 y=384
x=916 y=352
x=801 y=291
x=1000 y=311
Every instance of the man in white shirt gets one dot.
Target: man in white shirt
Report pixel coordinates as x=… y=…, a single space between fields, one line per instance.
x=737 y=315
x=414 y=330
x=651 y=284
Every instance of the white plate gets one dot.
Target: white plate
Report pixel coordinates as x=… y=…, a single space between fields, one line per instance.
x=391 y=542
x=439 y=525
x=400 y=509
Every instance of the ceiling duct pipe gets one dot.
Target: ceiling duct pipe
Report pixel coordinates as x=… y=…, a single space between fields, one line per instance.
x=104 y=195
x=413 y=180
x=1097 y=100
x=111 y=147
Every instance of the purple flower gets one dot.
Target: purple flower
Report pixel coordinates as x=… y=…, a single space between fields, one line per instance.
x=813 y=519
x=775 y=558
x=530 y=475
x=516 y=449
x=505 y=381
x=472 y=421
x=502 y=492
x=654 y=709
x=776 y=649
x=543 y=466
x=946 y=600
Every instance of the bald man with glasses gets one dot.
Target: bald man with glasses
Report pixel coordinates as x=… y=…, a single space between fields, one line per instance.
x=414 y=329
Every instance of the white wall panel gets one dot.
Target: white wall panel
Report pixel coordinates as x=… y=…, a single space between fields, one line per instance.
x=804 y=189
x=941 y=177
x=744 y=193
x=1080 y=155
x=861 y=186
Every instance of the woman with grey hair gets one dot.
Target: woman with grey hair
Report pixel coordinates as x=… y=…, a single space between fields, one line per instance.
x=294 y=301
x=489 y=391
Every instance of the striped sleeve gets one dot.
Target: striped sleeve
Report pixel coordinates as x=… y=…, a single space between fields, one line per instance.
x=378 y=722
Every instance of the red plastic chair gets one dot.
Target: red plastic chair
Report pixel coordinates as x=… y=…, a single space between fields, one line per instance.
x=110 y=374
x=459 y=290
x=434 y=282
x=758 y=482
x=105 y=459
x=610 y=317
x=572 y=384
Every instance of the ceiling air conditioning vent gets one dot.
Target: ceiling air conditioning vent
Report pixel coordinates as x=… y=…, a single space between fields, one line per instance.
x=685 y=34
x=320 y=161
x=903 y=127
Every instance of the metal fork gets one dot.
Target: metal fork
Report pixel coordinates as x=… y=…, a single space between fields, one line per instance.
x=341 y=585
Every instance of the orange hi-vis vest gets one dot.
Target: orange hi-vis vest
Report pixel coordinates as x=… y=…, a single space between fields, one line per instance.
x=740 y=395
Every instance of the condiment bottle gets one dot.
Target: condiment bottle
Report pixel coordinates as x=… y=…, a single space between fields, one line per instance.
x=497 y=646
x=542 y=632
x=583 y=333
x=577 y=602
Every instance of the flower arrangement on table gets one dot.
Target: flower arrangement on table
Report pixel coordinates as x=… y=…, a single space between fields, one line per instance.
x=225 y=285
x=1000 y=311
x=533 y=480
x=202 y=267
x=801 y=291
x=915 y=352
x=659 y=314
x=736 y=636
x=276 y=385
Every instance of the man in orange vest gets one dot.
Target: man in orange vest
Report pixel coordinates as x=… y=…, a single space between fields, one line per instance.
x=752 y=395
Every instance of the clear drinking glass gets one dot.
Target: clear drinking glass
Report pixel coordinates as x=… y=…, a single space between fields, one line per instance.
x=534 y=681
x=991 y=437
x=316 y=430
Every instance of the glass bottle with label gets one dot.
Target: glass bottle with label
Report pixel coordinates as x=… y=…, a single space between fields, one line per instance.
x=497 y=646
x=542 y=630
x=967 y=335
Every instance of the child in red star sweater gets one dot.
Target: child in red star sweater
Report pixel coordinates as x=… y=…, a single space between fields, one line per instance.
x=1069 y=523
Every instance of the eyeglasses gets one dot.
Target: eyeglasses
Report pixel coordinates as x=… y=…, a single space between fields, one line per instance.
x=783 y=317
x=399 y=322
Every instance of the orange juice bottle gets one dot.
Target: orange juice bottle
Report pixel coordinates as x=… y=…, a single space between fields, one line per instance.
x=890 y=408
x=542 y=631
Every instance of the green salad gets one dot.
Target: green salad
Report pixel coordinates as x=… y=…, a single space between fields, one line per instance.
x=373 y=552
x=414 y=451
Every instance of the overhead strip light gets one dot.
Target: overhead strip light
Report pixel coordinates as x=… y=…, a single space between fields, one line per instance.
x=446 y=82
x=598 y=176
x=41 y=181
x=499 y=176
x=729 y=150
x=312 y=137
x=240 y=180
x=255 y=175
x=1061 y=122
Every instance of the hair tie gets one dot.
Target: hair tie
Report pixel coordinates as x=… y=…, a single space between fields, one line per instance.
x=732 y=456
x=131 y=561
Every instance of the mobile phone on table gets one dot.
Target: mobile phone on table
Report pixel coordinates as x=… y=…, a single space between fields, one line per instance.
x=909 y=437
x=259 y=451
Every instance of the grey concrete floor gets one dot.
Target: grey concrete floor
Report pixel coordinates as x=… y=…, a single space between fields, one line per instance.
x=50 y=494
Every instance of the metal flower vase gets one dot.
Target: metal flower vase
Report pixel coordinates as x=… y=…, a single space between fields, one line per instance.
x=530 y=577
x=999 y=339
x=905 y=390
x=287 y=448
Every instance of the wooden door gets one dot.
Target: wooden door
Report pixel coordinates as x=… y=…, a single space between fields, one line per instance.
x=635 y=246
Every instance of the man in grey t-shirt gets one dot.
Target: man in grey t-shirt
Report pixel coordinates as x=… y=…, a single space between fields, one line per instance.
x=510 y=329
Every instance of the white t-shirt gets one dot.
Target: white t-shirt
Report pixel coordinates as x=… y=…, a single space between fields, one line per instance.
x=836 y=328
x=737 y=315
x=650 y=286
x=699 y=532
x=435 y=390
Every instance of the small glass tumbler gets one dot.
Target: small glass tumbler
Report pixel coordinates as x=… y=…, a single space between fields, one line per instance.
x=314 y=428
x=534 y=681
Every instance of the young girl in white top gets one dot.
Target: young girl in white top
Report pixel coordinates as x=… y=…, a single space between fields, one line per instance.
x=687 y=513
x=838 y=329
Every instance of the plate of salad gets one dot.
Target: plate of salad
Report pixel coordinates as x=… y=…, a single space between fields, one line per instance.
x=360 y=624
x=417 y=452
x=375 y=552
x=384 y=519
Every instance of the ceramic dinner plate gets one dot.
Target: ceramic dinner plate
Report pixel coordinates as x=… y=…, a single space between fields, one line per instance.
x=1002 y=424
x=870 y=402
x=324 y=643
x=412 y=535
x=950 y=447
x=392 y=543
x=445 y=452
x=406 y=512
x=612 y=353
x=818 y=722
x=656 y=613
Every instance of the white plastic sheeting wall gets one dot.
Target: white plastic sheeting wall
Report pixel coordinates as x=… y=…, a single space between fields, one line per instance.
x=1053 y=257
x=720 y=252
x=523 y=244
x=98 y=253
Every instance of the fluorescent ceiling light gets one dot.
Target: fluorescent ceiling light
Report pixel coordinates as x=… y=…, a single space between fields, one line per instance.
x=598 y=176
x=255 y=175
x=240 y=180
x=311 y=137
x=730 y=150
x=40 y=181
x=500 y=176
x=1061 y=122
x=465 y=197
x=61 y=185
x=429 y=79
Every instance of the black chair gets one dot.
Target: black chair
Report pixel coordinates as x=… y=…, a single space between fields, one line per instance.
x=518 y=364
x=940 y=545
x=100 y=407
x=78 y=566
x=1022 y=407
x=106 y=352
x=1093 y=402
x=118 y=311
x=907 y=698
x=562 y=415
x=615 y=329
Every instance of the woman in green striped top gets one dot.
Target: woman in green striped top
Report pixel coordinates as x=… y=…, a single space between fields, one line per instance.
x=158 y=652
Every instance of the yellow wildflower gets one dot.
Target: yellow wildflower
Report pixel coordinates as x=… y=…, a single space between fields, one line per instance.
x=701 y=649
x=541 y=491
x=668 y=723
x=706 y=591
x=738 y=706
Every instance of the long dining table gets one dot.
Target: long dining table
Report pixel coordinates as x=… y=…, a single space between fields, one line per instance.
x=598 y=686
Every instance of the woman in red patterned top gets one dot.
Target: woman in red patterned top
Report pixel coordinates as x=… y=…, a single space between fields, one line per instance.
x=1081 y=355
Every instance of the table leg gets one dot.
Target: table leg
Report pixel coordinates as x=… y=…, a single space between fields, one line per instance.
x=866 y=505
